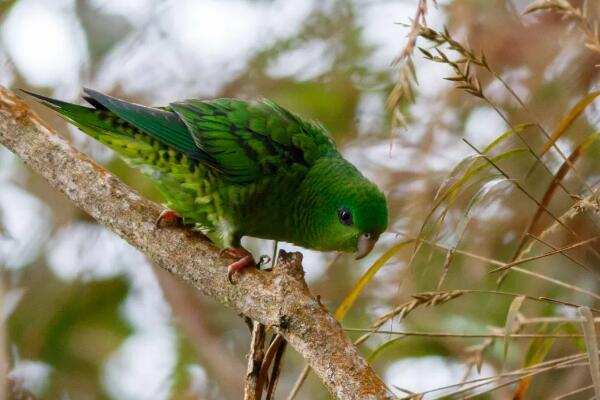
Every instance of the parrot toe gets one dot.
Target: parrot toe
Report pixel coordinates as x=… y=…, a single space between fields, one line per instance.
x=244 y=260
x=168 y=217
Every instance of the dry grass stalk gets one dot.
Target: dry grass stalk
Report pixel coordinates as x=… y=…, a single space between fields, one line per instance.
x=550 y=253
x=537 y=275
x=588 y=205
x=508 y=378
x=407 y=77
x=464 y=77
x=467 y=81
x=495 y=334
x=573 y=392
x=580 y=16
x=420 y=299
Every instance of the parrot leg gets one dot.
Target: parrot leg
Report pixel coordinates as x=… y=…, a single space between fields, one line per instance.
x=244 y=260
x=169 y=217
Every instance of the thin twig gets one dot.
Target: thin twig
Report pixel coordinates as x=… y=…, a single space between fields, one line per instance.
x=517 y=269
x=468 y=335
x=299 y=382
x=252 y=390
x=530 y=196
x=276 y=371
x=550 y=253
x=573 y=392
x=268 y=359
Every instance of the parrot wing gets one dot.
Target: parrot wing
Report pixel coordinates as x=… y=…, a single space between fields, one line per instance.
x=241 y=141
x=250 y=140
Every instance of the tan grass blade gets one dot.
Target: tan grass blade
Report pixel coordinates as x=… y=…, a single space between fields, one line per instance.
x=549 y=253
x=351 y=297
x=545 y=366
x=461 y=167
x=591 y=344
x=568 y=120
x=379 y=350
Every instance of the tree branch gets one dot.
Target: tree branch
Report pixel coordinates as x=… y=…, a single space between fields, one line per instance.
x=279 y=299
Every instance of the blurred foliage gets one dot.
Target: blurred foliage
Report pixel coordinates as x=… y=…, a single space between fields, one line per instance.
x=86 y=297
x=74 y=333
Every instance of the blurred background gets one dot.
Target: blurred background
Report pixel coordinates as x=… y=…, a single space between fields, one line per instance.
x=88 y=317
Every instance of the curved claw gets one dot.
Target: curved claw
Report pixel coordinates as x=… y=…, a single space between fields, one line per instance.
x=244 y=262
x=244 y=259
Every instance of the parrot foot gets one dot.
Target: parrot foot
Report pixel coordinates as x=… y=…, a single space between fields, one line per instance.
x=244 y=260
x=168 y=216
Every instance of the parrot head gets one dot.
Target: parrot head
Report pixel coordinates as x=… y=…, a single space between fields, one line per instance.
x=343 y=210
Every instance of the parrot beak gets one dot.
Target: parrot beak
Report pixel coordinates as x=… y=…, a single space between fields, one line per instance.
x=365 y=245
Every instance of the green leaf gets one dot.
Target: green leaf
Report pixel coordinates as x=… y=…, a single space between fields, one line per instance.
x=379 y=350
x=517 y=129
x=511 y=317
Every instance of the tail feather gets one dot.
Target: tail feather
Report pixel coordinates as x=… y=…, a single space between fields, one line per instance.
x=60 y=106
x=104 y=126
x=177 y=175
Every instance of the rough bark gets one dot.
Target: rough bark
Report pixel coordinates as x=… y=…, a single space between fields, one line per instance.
x=280 y=299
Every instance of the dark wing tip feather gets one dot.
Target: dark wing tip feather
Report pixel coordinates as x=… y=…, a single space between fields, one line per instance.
x=100 y=100
x=97 y=105
x=55 y=104
x=48 y=101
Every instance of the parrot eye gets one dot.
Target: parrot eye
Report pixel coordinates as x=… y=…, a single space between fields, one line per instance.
x=345 y=216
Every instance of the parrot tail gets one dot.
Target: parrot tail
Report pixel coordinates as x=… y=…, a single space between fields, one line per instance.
x=129 y=142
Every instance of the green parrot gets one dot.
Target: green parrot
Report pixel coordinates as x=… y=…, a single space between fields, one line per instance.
x=234 y=168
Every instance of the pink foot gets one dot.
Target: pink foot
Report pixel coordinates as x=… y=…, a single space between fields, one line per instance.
x=167 y=216
x=244 y=260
